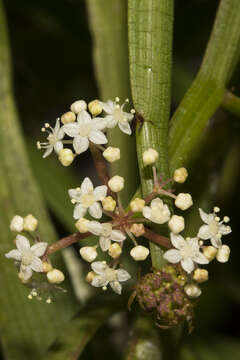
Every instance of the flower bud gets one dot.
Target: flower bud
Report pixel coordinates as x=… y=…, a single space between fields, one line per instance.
x=90 y=276
x=78 y=106
x=209 y=252
x=137 y=205
x=108 y=203
x=137 y=229
x=180 y=175
x=81 y=225
x=150 y=156
x=55 y=276
x=223 y=254
x=116 y=183
x=30 y=223
x=111 y=154
x=183 y=201
x=176 y=224
x=16 y=223
x=200 y=275
x=66 y=157
x=47 y=266
x=95 y=107
x=21 y=277
x=139 y=253
x=68 y=117
x=192 y=290
x=114 y=250
x=88 y=253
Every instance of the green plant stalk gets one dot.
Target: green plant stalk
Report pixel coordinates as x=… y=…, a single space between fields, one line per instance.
x=231 y=103
x=207 y=91
x=150 y=47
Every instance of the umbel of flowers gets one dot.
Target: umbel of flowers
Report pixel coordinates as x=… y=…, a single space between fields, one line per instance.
x=169 y=292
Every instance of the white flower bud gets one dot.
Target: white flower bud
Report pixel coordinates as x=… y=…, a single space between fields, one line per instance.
x=30 y=223
x=81 y=225
x=16 y=223
x=137 y=205
x=114 y=250
x=183 y=201
x=111 y=154
x=88 y=253
x=78 y=106
x=180 y=175
x=66 y=157
x=46 y=266
x=200 y=275
x=116 y=183
x=150 y=156
x=209 y=252
x=192 y=290
x=108 y=203
x=139 y=253
x=90 y=276
x=223 y=254
x=55 y=276
x=137 y=229
x=68 y=117
x=176 y=224
x=95 y=107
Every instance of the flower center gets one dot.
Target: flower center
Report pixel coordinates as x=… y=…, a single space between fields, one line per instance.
x=213 y=227
x=52 y=139
x=88 y=199
x=187 y=251
x=106 y=229
x=85 y=129
x=27 y=257
x=110 y=275
x=118 y=114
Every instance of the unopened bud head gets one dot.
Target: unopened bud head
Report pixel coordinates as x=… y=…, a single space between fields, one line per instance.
x=90 y=276
x=66 y=157
x=108 y=203
x=200 y=275
x=114 y=250
x=192 y=290
x=137 y=229
x=111 y=154
x=176 y=224
x=150 y=156
x=81 y=225
x=95 y=107
x=180 y=175
x=139 y=253
x=116 y=183
x=46 y=266
x=78 y=106
x=209 y=252
x=16 y=223
x=137 y=205
x=183 y=201
x=30 y=223
x=88 y=253
x=68 y=117
x=223 y=254
x=55 y=276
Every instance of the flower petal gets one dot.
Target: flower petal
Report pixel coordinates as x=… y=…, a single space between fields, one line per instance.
x=216 y=242
x=94 y=227
x=117 y=235
x=147 y=212
x=204 y=233
x=157 y=203
x=108 y=106
x=225 y=230
x=173 y=256
x=104 y=243
x=58 y=146
x=71 y=129
x=95 y=210
x=14 y=254
x=79 y=211
x=48 y=151
x=99 y=281
x=123 y=275
x=200 y=259
x=99 y=123
x=177 y=241
x=187 y=265
x=36 y=264
x=99 y=267
x=22 y=243
x=84 y=118
x=87 y=186
x=74 y=194
x=207 y=218
x=116 y=286
x=100 y=192
x=125 y=127
x=80 y=144
x=97 y=137
x=111 y=121
x=39 y=248
x=26 y=272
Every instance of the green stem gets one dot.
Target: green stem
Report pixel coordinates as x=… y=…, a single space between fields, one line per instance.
x=231 y=103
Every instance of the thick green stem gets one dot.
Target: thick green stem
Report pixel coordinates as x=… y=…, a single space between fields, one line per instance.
x=231 y=103
x=150 y=47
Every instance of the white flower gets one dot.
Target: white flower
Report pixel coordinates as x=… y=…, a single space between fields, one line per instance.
x=187 y=252
x=111 y=154
x=116 y=116
x=157 y=212
x=106 y=275
x=139 y=253
x=150 y=156
x=86 y=198
x=88 y=253
x=84 y=130
x=176 y=224
x=54 y=139
x=116 y=183
x=16 y=223
x=183 y=201
x=213 y=230
x=223 y=254
x=28 y=256
x=106 y=233
x=78 y=106
x=55 y=276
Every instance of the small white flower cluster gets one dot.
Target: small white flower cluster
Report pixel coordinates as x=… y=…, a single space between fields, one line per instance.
x=85 y=127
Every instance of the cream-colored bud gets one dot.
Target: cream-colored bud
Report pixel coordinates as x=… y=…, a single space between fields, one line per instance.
x=30 y=223
x=46 y=266
x=81 y=225
x=200 y=275
x=78 y=106
x=68 y=117
x=137 y=229
x=209 y=252
x=223 y=254
x=137 y=205
x=111 y=154
x=88 y=253
x=16 y=223
x=116 y=183
x=192 y=290
x=95 y=107
x=90 y=276
x=150 y=156
x=55 y=276
x=108 y=203
x=180 y=175
x=139 y=253
x=114 y=250
x=176 y=224
x=21 y=277
x=183 y=201
x=66 y=157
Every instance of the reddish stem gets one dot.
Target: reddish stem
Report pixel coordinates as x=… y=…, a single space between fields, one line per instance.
x=158 y=239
